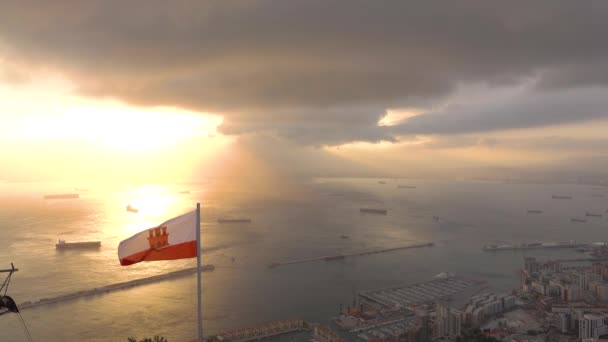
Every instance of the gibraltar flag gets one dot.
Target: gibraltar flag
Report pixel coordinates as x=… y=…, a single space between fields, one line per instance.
x=174 y=239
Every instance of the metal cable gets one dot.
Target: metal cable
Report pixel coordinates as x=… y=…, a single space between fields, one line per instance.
x=27 y=332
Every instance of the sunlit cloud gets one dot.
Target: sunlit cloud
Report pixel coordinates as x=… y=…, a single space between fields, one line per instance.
x=397 y=116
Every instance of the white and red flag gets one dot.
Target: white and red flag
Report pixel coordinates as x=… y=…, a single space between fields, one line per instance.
x=174 y=239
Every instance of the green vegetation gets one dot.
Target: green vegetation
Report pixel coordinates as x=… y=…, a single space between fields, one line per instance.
x=148 y=339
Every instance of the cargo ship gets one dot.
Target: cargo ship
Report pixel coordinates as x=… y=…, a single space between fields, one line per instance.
x=334 y=257
x=533 y=245
x=406 y=187
x=62 y=244
x=561 y=197
x=381 y=182
x=588 y=214
x=61 y=196
x=373 y=211
x=132 y=209
x=578 y=220
x=233 y=220
x=533 y=211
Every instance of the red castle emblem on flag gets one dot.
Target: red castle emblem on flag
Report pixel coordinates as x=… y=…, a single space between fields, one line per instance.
x=158 y=237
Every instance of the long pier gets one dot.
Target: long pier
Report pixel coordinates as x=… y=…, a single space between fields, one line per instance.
x=343 y=256
x=114 y=287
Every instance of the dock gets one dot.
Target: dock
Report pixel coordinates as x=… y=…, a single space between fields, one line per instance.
x=343 y=256
x=262 y=331
x=114 y=287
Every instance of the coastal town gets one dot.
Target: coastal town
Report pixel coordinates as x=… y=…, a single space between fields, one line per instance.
x=557 y=300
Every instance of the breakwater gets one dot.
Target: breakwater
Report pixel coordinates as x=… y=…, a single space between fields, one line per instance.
x=114 y=287
x=343 y=256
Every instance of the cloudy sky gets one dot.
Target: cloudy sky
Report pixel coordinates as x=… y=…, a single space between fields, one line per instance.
x=406 y=88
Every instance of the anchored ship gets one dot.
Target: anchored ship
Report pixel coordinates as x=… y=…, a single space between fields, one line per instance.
x=373 y=211
x=588 y=214
x=132 y=209
x=62 y=244
x=406 y=187
x=233 y=220
x=578 y=220
x=61 y=196
x=561 y=197
x=533 y=211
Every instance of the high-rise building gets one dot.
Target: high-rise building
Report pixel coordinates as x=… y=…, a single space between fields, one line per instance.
x=592 y=326
x=601 y=291
x=448 y=321
x=530 y=265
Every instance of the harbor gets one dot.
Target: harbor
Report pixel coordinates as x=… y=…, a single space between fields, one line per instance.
x=343 y=256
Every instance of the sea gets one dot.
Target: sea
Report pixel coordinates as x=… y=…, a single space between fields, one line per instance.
x=315 y=218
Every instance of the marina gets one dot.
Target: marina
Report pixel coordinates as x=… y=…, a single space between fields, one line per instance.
x=343 y=256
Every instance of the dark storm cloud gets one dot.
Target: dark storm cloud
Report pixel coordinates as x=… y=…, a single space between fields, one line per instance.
x=542 y=143
x=300 y=67
x=521 y=111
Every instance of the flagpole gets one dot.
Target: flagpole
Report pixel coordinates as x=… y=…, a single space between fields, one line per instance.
x=198 y=273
